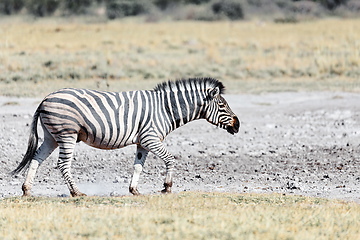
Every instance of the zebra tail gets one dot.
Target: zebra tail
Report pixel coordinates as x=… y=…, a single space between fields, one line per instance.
x=32 y=145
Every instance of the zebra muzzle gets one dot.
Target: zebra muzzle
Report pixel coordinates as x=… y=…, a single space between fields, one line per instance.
x=234 y=127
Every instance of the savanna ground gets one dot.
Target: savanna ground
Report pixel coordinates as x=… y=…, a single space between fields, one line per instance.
x=294 y=86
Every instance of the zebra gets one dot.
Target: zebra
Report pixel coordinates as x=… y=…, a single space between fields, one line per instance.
x=112 y=120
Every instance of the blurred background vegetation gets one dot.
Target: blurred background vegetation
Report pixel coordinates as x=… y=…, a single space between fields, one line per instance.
x=252 y=45
x=204 y=10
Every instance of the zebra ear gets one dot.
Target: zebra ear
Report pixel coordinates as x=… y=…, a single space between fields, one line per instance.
x=214 y=92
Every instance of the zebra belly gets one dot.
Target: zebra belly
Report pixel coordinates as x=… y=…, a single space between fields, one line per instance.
x=106 y=143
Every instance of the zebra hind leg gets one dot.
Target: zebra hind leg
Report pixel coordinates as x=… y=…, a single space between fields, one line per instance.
x=42 y=153
x=140 y=158
x=67 y=145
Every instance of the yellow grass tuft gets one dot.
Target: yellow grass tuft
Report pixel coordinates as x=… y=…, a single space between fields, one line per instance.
x=187 y=215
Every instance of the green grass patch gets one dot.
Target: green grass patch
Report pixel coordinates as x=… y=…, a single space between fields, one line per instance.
x=187 y=215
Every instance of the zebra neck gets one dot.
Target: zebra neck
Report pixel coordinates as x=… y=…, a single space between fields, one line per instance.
x=183 y=107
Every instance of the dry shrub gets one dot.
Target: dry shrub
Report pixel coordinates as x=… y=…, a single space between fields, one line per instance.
x=124 y=8
x=11 y=6
x=230 y=8
x=42 y=8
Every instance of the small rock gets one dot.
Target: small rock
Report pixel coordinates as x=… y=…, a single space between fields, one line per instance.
x=340 y=167
x=291 y=185
x=14 y=183
x=187 y=143
x=114 y=194
x=212 y=166
x=118 y=179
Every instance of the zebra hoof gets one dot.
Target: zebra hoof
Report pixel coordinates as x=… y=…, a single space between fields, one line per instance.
x=167 y=187
x=78 y=194
x=26 y=191
x=166 y=190
x=26 y=195
x=134 y=191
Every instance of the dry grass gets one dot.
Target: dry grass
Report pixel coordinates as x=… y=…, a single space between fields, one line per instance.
x=188 y=215
x=248 y=56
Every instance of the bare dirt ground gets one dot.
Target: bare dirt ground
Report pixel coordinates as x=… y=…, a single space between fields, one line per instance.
x=293 y=143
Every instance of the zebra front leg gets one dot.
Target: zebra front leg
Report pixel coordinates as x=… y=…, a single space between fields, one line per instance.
x=140 y=158
x=154 y=144
x=43 y=152
x=64 y=164
x=169 y=163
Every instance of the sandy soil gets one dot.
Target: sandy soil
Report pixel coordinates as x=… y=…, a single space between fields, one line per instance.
x=293 y=143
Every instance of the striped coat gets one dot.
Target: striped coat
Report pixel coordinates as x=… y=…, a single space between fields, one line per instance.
x=111 y=120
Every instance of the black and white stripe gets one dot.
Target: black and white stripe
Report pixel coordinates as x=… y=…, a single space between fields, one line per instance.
x=110 y=120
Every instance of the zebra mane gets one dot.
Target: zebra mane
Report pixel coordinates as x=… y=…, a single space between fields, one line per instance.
x=183 y=83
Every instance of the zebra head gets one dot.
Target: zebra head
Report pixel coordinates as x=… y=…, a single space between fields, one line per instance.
x=218 y=111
